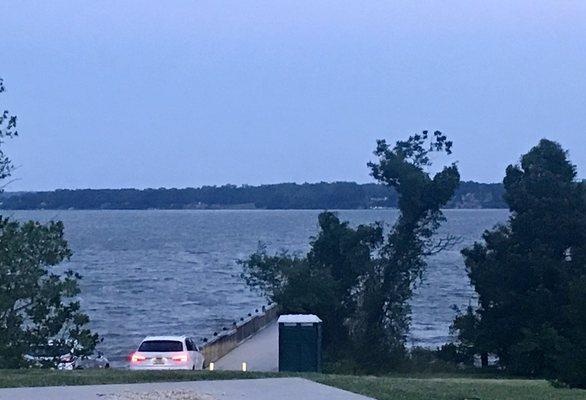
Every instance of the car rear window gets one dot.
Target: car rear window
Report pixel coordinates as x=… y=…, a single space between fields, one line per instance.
x=160 y=346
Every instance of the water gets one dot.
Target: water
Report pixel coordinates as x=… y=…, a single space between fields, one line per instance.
x=175 y=272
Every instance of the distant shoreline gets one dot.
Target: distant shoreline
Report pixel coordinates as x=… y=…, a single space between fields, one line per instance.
x=237 y=209
x=282 y=196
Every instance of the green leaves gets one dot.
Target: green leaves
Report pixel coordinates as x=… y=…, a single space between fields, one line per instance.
x=323 y=282
x=37 y=306
x=7 y=129
x=525 y=273
x=7 y=121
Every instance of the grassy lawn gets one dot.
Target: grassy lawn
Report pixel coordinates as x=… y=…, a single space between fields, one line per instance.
x=401 y=388
x=38 y=377
x=424 y=387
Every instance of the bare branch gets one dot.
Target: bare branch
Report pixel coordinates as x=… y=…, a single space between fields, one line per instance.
x=437 y=245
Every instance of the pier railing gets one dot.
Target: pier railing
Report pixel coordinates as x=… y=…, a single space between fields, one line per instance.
x=225 y=341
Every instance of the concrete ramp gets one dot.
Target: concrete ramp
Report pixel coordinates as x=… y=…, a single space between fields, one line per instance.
x=260 y=352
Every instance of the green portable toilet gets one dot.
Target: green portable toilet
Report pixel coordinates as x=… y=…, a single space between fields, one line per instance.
x=299 y=343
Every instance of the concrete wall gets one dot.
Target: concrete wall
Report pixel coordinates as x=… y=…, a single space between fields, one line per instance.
x=226 y=341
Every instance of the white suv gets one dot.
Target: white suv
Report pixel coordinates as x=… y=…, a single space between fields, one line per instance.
x=167 y=352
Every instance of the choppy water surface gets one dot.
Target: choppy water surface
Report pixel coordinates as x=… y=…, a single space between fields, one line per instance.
x=175 y=272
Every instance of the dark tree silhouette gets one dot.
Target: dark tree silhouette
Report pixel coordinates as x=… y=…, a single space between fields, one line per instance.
x=529 y=273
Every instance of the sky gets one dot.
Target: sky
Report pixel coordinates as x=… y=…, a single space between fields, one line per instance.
x=113 y=94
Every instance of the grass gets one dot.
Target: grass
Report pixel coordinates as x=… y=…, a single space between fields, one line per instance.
x=401 y=388
x=396 y=387
x=43 y=377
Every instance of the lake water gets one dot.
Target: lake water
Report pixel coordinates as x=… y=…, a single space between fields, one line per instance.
x=175 y=272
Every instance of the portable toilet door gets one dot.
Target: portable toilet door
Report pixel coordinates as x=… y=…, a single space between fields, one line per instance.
x=300 y=343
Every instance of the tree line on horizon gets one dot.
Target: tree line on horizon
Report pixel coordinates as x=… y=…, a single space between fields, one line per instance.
x=319 y=196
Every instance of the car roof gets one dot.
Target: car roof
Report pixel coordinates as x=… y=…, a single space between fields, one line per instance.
x=178 y=338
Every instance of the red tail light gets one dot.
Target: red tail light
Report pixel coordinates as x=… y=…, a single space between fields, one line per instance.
x=136 y=358
x=179 y=358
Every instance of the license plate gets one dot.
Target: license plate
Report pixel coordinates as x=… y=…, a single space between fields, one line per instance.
x=158 y=361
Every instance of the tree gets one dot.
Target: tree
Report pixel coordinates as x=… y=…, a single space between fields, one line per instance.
x=381 y=327
x=357 y=281
x=37 y=305
x=529 y=273
x=322 y=282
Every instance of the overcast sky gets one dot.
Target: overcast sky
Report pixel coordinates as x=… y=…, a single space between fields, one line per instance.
x=142 y=93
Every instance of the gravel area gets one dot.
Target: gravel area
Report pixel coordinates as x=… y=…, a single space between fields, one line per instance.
x=159 y=395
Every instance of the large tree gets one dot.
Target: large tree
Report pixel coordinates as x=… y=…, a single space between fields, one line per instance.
x=324 y=281
x=383 y=321
x=38 y=306
x=529 y=274
x=355 y=279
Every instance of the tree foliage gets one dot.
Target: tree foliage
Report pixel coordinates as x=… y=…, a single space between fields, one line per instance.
x=529 y=274
x=324 y=281
x=383 y=322
x=37 y=304
x=7 y=130
x=358 y=280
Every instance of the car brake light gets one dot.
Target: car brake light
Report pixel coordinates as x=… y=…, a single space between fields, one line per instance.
x=136 y=358
x=180 y=358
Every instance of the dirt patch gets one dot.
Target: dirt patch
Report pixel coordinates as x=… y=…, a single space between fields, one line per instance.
x=159 y=395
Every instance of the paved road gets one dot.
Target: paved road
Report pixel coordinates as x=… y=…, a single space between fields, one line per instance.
x=260 y=352
x=248 y=389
